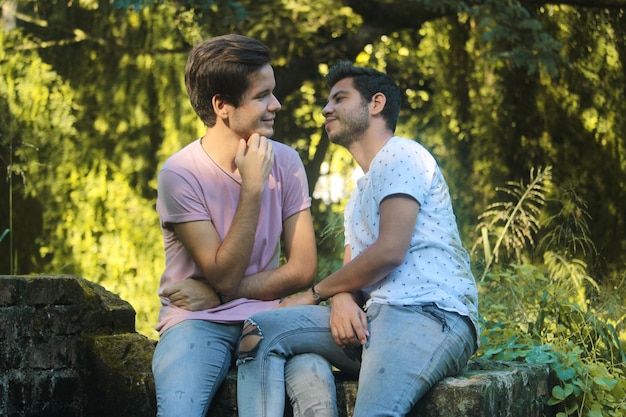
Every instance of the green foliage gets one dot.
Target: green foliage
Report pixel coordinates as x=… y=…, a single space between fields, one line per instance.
x=4 y=234
x=125 y=243
x=37 y=135
x=569 y=227
x=515 y=222
x=516 y=37
x=331 y=237
x=529 y=316
x=541 y=313
x=92 y=101
x=96 y=221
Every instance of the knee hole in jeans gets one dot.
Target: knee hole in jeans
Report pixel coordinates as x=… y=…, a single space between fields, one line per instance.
x=249 y=342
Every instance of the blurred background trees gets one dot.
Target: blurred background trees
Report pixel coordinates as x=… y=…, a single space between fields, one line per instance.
x=93 y=101
x=525 y=97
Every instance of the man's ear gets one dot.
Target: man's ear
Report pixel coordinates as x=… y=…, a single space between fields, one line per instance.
x=377 y=104
x=220 y=107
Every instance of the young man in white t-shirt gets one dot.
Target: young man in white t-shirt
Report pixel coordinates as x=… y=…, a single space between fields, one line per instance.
x=404 y=306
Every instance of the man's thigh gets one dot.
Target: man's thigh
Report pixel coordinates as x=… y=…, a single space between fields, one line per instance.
x=190 y=362
x=410 y=349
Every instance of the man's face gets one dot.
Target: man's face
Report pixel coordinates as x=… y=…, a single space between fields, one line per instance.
x=347 y=116
x=258 y=107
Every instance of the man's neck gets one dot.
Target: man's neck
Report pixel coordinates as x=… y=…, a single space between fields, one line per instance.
x=364 y=151
x=221 y=145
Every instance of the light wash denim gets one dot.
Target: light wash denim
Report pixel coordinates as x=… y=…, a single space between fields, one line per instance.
x=192 y=359
x=409 y=350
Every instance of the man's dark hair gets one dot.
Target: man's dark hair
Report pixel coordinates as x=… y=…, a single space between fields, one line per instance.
x=368 y=81
x=222 y=66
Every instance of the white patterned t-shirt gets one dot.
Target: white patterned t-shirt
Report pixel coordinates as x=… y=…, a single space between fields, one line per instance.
x=436 y=268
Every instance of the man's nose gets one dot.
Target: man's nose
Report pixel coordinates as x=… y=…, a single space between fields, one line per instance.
x=275 y=104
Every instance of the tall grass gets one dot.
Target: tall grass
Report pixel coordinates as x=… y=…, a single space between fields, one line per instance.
x=539 y=302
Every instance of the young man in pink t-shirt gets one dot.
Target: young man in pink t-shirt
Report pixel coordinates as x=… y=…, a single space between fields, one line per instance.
x=225 y=200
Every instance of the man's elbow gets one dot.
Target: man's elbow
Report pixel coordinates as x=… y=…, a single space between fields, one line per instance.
x=226 y=288
x=310 y=278
x=305 y=275
x=393 y=256
x=222 y=284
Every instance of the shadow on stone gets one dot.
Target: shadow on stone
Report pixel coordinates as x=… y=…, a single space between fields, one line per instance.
x=69 y=348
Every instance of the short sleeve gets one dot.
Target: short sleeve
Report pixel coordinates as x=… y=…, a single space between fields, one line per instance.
x=397 y=170
x=178 y=199
x=294 y=183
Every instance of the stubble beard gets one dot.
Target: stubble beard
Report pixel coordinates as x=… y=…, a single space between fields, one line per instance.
x=352 y=130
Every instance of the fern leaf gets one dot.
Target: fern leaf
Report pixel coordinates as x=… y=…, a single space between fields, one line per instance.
x=514 y=223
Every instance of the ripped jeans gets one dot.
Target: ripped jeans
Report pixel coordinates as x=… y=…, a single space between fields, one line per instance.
x=192 y=359
x=409 y=350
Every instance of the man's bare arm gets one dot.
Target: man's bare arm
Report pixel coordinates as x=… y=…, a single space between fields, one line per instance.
x=299 y=270
x=223 y=263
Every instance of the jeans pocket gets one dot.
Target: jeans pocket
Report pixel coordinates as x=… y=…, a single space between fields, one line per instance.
x=434 y=313
x=373 y=310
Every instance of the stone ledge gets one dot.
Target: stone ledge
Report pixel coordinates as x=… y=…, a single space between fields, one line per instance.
x=121 y=379
x=484 y=389
x=68 y=348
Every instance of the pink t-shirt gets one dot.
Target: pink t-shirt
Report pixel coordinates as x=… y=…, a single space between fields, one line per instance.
x=192 y=187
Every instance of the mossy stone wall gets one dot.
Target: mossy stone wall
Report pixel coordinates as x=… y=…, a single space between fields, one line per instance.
x=68 y=348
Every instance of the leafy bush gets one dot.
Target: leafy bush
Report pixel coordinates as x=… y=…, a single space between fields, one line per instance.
x=527 y=315
x=541 y=311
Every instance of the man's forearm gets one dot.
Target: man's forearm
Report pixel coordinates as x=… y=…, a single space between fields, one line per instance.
x=273 y=284
x=233 y=254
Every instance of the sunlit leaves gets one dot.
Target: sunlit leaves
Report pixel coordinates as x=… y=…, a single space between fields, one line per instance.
x=561 y=393
x=40 y=121
x=480 y=92
x=515 y=37
x=514 y=223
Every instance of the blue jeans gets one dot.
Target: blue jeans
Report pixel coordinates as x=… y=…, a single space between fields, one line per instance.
x=410 y=349
x=192 y=359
